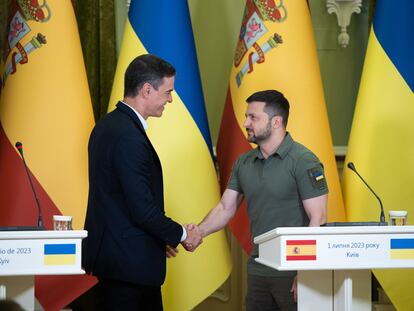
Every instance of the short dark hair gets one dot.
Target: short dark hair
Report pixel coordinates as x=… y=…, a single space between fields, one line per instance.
x=10 y=305
x=275 y=103
x=143 y=69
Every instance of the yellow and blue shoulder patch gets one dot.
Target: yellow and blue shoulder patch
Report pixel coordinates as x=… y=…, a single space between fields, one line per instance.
x=317 y=177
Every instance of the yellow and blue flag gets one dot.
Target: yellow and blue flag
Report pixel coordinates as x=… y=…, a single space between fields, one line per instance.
x=182 y=140
x=382 y=130
x=59 y=254
x=402 y=248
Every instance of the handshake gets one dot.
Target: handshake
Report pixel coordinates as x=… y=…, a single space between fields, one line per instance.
x=193 y=240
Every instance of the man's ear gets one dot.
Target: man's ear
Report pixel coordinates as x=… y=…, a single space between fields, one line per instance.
x=277 y=121
x=145 y=89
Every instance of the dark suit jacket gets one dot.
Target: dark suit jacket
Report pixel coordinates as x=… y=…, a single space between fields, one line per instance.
x=127 y=227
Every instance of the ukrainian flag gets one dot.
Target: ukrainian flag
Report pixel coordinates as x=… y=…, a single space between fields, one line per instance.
x=402 y=248
x=59 y=254
x=382 y=130
x=182 y=140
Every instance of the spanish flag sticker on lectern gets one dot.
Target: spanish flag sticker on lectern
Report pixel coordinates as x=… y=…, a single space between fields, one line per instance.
x=300 y=250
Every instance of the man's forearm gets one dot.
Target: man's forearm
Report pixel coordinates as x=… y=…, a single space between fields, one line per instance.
x=317 y=219
x=216 y=220
x=316 y=209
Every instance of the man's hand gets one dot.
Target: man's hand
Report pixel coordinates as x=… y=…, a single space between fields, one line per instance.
x=171 y=251
x=193 y=239
x=294 y=289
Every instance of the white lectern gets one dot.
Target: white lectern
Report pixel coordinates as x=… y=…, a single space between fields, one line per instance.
x=24 y=254
x=334 y=263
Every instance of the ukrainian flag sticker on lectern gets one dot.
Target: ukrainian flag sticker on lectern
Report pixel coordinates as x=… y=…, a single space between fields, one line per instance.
x=402 y=248
x=59 y=254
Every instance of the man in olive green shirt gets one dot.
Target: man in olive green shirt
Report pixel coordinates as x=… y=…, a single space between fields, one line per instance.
x=284 y=185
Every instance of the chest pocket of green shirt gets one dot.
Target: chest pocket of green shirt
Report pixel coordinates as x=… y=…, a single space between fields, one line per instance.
x=272 y=196
x=269 y=184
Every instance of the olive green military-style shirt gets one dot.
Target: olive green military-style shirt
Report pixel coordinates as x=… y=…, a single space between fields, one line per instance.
x=274 y=189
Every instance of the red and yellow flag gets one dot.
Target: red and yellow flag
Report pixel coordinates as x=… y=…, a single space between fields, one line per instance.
x=45 y=104
x=300 y=250
x=276 y=50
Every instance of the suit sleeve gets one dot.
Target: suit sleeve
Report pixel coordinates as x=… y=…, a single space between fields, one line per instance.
x=133 y=163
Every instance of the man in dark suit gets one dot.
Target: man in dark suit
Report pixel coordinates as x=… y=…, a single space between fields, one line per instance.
x=128 y=232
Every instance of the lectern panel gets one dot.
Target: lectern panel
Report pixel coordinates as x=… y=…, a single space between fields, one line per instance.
x=37 y=253
x=327 y=249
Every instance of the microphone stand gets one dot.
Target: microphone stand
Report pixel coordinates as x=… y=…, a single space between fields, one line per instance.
x=382 y=222
x=40 y=225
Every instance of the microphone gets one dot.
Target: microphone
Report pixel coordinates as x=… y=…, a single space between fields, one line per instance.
x=351 y=166
x=19 y=147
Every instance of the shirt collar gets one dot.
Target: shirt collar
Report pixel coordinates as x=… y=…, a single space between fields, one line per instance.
x=143 y=122
x=281 y=151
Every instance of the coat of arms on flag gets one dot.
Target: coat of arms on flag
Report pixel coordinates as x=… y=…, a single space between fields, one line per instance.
x=23 y=11
x=253 y=28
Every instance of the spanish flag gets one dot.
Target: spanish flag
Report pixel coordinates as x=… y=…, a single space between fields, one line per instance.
x=382 y=131
x=300 y=250
x=276 y=50
x=182 y=140
x=45 y=104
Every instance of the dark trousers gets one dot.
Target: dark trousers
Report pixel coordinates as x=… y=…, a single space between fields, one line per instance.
x=117 y=295
x=269 y=294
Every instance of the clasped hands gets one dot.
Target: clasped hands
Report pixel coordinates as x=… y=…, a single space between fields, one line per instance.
x=194 y=237
x=193 y=240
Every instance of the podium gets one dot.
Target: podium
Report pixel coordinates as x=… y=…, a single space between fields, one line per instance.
x=334 y=263
x=24 y=254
